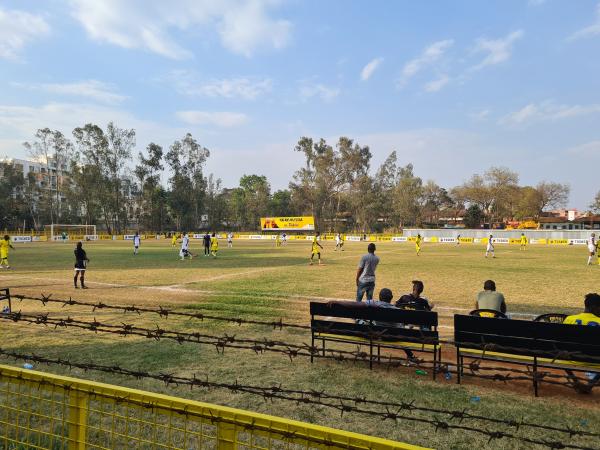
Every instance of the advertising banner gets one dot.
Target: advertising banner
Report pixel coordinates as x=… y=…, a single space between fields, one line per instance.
x=20 y=238
x=303 y=223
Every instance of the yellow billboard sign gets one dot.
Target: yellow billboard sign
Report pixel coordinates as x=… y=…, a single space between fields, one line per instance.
x=304 y=223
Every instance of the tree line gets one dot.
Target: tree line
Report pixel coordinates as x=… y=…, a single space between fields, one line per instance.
x=93 y=177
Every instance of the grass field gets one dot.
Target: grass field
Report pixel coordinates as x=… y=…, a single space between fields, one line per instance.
x=256 y=280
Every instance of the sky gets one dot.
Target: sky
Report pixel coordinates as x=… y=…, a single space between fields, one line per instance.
x=454 y=87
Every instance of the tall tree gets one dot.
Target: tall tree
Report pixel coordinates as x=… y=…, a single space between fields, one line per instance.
x=186 y=159
x=552 y=195
x=408 y=195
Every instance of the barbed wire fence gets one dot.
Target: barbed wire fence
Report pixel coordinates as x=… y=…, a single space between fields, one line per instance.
x=393 y=411
x=344 y=404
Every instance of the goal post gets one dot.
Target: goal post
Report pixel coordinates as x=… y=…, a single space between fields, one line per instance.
x=64 y=232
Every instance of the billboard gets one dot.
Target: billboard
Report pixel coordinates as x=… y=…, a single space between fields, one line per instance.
x=305 y=223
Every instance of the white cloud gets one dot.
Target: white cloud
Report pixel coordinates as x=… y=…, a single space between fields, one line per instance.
x=248 y=88
x=438 y=84
x=92 y=89
x=243 y=26
x=19 y=123
x=326 y=93
x=587 y=150
x=480 y=115
x=220 y=119
x=547 y=111
x=370 y=68
x=589 y=31
x=429 y=56
x=496 y=50
x=17 y=29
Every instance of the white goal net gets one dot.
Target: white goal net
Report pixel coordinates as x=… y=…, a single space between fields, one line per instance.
x=65 y=232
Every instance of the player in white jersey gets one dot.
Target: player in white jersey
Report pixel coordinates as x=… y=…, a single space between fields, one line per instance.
x=490 y=247
x=230 y=240
x=136 y=243
x=283 y=238
x=185 y=247
x=591 y=244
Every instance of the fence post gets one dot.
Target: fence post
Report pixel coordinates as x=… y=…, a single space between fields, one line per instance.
x=78 y=414
x=226 y=436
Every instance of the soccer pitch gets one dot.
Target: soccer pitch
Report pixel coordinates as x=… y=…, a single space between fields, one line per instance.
x=256 y=280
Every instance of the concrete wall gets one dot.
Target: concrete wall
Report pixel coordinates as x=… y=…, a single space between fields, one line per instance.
x=531 y=234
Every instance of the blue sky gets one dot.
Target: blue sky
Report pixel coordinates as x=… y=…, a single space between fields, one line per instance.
x=453 y=86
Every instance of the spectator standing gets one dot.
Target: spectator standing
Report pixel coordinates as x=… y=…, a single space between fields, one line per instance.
x=490 y=299
x=365 y=275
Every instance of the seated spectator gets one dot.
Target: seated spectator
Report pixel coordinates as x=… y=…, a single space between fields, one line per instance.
x=490 y=299
x=589 y=317
x=591 y=314
x=414 y=299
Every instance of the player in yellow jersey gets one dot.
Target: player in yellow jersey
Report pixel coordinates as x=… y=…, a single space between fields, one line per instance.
x=277 y=240
x=315 y=249
x=214 y=245
x=418 y=241
x=4 y=246
x=523 y=241
x=174 y=240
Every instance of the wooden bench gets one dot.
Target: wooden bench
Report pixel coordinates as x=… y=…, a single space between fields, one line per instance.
x=5 y=295
x=414 y=331
x=573 y=348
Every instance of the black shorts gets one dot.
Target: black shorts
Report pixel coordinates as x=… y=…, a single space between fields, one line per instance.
x=80 y=265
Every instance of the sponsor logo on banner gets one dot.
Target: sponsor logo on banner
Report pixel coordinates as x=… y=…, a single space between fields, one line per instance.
x=20 y=238
x=577 y=241
x=430 y=239
x=197 y=236
x=446 y=239
x=558 y=242
x=128 y=237
x=500 y=240
x=399 y=239
x=287 y=223
x=353 y=238
x=255 y=236
x=91 y=237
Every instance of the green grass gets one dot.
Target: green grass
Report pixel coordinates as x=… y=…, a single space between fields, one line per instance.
x=256 y=280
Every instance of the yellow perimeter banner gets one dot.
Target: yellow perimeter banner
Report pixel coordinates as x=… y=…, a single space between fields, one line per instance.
x=287 y=223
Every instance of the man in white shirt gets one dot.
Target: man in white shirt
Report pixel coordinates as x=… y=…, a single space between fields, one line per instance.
x=136 y=243
x=230 y=240
x=185 y=243
x=591 y=244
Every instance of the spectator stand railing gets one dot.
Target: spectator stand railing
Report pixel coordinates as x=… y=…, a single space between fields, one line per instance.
x=39 y=410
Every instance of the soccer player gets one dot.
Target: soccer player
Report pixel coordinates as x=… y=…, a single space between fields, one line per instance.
x=283 y=239
x=174 y=240
x=230 y=240
x=4 y=246
x=315 y=249
x=339 y=243
x=185 y=250
x=418 y=241
x=81 y=260
x=458 y=240
x=206 y=242
x=214 y=245
x=136 y=243
x=523 y=241
x=277 y=240
x=490 y=247
x=591 y=248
